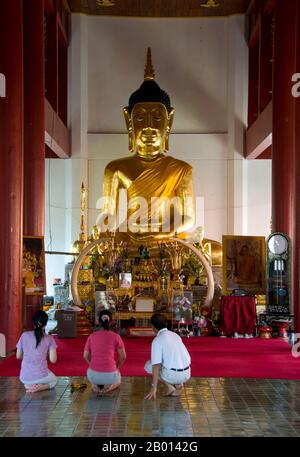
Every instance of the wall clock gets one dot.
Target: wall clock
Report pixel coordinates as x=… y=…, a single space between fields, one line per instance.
x=278 y=273
x=278 y=243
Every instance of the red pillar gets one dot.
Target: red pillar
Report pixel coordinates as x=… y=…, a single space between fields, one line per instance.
x=11 y=170
x=286 y=144
x=296 y=180
x=34 y=132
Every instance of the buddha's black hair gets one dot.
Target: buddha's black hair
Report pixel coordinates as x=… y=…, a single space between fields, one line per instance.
x=149 y=91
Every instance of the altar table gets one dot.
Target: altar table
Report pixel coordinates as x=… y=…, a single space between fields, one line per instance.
x=238 y=314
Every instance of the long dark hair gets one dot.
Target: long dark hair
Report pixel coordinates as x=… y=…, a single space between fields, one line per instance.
x=105 y=318
x=40 y=319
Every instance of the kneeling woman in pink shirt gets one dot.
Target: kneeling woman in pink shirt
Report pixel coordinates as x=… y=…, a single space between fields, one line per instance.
x=105 y=353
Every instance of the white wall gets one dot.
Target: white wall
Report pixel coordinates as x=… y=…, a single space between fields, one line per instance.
x=203 y=65
x=55 y=213
x=259 y=188
x=189 y=58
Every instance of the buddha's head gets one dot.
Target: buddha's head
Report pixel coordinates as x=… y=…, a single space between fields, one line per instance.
x=149 y=117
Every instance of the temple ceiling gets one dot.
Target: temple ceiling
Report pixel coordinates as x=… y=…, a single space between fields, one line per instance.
x=160 y=8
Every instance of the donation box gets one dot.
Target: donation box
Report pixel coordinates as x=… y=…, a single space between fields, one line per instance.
x=66 y=324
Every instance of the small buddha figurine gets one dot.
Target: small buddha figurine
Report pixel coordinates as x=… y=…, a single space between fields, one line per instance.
x=95 y=235
x=211 y=249
x=28 y=277
x=150 y=175
x=203 y=245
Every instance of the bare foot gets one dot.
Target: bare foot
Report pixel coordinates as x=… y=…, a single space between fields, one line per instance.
x=176 y=393
x=170 y=389
x=169 y=393
x=173 y=390
x=110 y=387
x=96 y=389
x=32 y=388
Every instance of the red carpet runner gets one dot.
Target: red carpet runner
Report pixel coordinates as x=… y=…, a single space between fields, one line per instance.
x=211 y=357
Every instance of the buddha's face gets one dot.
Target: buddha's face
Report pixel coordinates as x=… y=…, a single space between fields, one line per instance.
x=150 y=124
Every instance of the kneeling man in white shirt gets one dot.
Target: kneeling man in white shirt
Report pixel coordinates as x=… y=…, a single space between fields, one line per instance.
x=170 y=360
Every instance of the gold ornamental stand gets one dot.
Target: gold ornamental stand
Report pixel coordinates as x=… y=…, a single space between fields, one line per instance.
x=119 y=314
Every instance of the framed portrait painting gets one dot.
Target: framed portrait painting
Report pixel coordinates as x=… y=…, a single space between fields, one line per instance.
x=125 y=280
x=33 y=265
x=244 y=264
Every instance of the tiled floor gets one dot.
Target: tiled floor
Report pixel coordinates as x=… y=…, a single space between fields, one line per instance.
x=207 y=407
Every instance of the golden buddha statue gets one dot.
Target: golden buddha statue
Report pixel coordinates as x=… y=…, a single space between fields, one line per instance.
x=158 y=188
x=148 y=197
x=28 y=277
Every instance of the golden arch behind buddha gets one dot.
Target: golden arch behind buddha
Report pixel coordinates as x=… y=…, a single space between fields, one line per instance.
x=149 y=195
